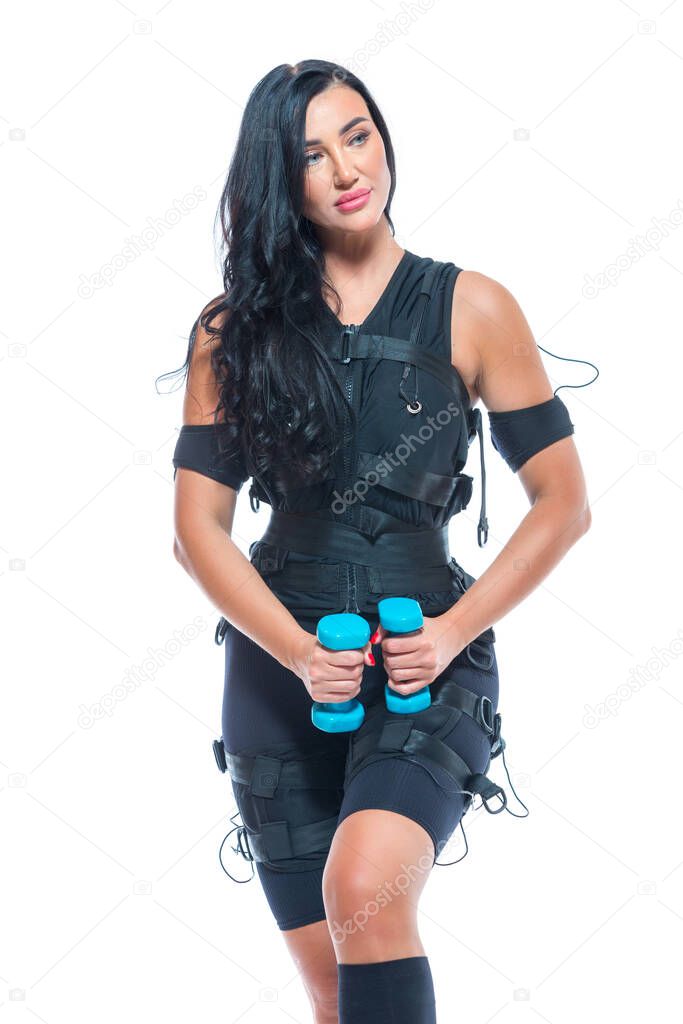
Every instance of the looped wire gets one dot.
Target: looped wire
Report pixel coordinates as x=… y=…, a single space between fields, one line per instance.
x=242 y=834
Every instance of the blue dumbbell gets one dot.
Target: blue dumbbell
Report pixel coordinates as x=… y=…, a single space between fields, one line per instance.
x=399 y=616
x=340 y=632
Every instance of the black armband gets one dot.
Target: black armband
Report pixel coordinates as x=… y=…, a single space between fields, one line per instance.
x=197 y=448
x=520 y=433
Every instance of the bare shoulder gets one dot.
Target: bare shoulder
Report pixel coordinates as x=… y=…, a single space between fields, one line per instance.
x=211 y=316
x=201 y=394
x=492 y=345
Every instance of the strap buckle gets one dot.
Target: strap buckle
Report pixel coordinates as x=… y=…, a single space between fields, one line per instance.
x=486 y=665
x=485 y=716
x=497 y=741
x=486 y=788
x=222 y=627
x=219 y=754
x=268 y=558
x=458 y=574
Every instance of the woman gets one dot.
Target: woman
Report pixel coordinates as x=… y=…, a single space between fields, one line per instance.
x=354 y=418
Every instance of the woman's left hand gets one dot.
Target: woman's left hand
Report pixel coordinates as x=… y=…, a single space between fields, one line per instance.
x=415 y=660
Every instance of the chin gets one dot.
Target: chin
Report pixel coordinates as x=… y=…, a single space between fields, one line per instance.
x=358 y=226
x=362 y=220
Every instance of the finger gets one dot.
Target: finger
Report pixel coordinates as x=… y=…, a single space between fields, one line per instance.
x=415 y=660
x=401 y=645
x=336 y=696
x=406 y=687
x=341 y=684
x=368 y=656
x=378 y=635
x=345 y=659
x=346 y=664
x=407 y=672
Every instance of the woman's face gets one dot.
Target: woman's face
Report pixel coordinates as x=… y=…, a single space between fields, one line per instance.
x=340 y=161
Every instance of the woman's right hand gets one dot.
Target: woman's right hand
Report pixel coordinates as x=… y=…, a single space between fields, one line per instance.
x=329 y=676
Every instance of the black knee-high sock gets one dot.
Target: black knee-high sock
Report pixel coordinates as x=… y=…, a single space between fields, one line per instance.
x=389 y=992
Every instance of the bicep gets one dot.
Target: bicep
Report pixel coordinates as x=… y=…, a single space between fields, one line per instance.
x=198 y=496
x=529 y=426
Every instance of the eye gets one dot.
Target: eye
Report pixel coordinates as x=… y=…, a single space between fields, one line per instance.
x=361 y=135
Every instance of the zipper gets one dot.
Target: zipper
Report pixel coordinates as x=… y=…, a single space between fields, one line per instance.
x=351 y=582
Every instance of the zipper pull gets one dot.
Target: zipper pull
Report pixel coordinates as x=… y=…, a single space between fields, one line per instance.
x=346 y=345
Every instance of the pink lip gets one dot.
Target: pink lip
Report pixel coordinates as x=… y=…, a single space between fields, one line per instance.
x=356 y=200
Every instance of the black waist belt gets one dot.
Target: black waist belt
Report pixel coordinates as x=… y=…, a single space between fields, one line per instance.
x=345 y=543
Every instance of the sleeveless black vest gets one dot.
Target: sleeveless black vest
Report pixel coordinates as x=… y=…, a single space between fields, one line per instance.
x=378 y=526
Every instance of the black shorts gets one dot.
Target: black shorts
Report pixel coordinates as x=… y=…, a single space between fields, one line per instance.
x=267 y=710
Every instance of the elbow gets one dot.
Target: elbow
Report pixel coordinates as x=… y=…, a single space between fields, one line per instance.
x=573 y=517
x=580 y=523
x=575 y=523
x=178 y=552
x=584 y=518
x=587 y=518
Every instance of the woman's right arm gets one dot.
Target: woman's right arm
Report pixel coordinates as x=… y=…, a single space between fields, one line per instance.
x=204 y=511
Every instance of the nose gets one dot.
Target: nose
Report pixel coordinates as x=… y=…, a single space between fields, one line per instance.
x=345 y=173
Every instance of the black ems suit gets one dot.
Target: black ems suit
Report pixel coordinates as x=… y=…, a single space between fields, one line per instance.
x=377 y=528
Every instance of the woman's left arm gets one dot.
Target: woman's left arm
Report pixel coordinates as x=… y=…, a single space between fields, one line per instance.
x=493 y=343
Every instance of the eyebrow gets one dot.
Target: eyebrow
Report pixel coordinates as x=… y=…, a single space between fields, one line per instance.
x=351 y=123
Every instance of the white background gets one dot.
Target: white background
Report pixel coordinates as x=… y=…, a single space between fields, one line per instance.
x=114 y=903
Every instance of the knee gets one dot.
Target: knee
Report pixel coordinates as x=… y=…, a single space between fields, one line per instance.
x=358 y=901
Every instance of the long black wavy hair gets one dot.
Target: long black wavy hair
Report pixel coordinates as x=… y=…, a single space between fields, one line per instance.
x=280 y=403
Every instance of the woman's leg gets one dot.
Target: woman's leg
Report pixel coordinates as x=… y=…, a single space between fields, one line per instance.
x=376 y=870
x=405 y=792
x=313 y=953
x=267 y=719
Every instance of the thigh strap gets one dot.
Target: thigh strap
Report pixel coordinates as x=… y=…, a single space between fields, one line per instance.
x=278 y=840
x=303 y=847
x=402 y=734
x=263 y=774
